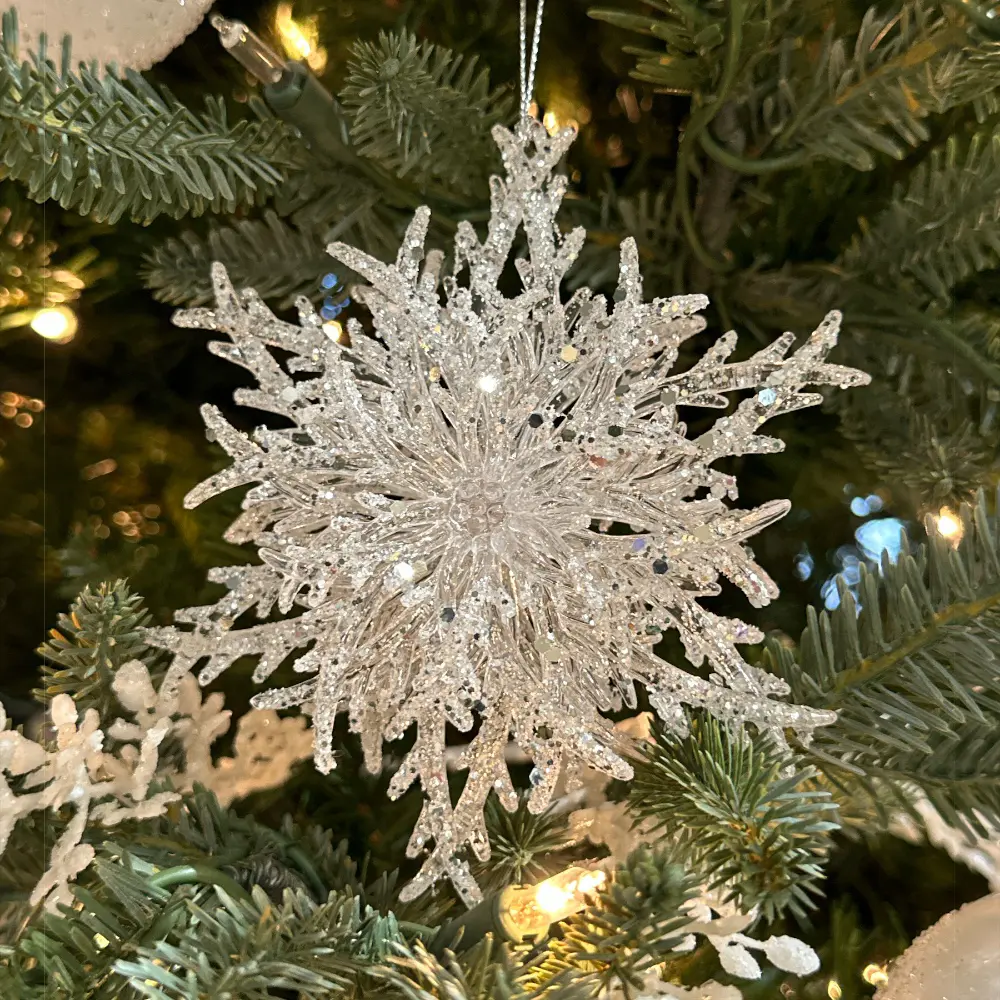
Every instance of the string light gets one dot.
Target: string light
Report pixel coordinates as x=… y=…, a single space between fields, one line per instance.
x=948 y=525
x=252 y=52
x=300 y=39
x=523 y=912
x=554 y=121
x=833 y=990
x=20 y=409
x=875 y=974
x=528 y=911
x=560 y=896
x=334 y=330
x=55 y=323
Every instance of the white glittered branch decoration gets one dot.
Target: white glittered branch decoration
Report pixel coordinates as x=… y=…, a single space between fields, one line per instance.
x=106 y=776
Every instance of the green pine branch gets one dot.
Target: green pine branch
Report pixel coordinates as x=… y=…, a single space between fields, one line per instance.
x=283 y=255
x=422 y=110
x=870 y=94
x=692 y=35
x=111 y=148
x=183 y=889
x=912 y=675
x=483 y=972
x=101 y=632
x=251 y=947
x=807 y=88
x=525 y=847
x=740 y=812
x=940 y=228
x=941 y=440
x=266 y=254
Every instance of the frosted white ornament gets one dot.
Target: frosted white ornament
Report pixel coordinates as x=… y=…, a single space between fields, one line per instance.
x=791 y=954
x=428 y=518
x=958 y=958
x=134 y=34
x=737 y=961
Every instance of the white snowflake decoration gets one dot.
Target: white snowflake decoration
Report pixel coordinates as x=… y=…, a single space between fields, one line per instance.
x=430 y=523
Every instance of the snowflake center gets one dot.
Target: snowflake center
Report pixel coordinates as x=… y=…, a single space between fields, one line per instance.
x=481 y=510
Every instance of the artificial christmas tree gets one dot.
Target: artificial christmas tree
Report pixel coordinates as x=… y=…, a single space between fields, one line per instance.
x=785 y=159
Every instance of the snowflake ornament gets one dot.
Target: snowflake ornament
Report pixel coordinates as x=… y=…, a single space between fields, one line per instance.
x=432 y=527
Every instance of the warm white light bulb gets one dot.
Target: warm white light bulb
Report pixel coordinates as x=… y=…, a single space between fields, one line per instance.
x=300 y=39
x=489 y=383
x=334 y=330
x=551 y=899
x=947 y=524
x=405 y=571
x=875 y=974
x=565 y=893
x=529 y=910
x=56 y=323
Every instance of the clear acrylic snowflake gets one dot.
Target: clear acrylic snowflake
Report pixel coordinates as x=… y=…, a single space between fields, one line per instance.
x=432 y=527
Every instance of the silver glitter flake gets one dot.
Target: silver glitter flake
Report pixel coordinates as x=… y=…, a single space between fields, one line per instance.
x=433 y=527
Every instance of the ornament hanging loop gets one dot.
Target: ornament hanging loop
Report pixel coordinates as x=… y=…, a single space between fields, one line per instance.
x=529 y=60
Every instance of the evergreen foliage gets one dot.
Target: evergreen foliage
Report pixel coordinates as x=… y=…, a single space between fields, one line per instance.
x=111 y=148
x=168 y=918
x=484 y=972
x=101 y=632
x=416 y=107
x=842 y=95
x=910 y=668
x=267 y=254
x=525 y=848
x=250 y=948
x=811 y=156
x=942 y=228
x=740 y=814
x=942 y=442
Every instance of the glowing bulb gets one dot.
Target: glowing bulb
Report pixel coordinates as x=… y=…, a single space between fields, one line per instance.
x=833 y=990
x=553 y=122
x=948 y=526
x=527 y=911
x=550 y=898
x=489 y=383
x=875 y=974
x=405 y=571
x=565 y=893
x=300 y=38
x=55 y=323
x=334 y=330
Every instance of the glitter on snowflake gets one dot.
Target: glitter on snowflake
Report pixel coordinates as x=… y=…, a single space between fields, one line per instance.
x=433 y=525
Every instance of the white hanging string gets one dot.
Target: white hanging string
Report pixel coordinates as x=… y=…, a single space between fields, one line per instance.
x=528 y=62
